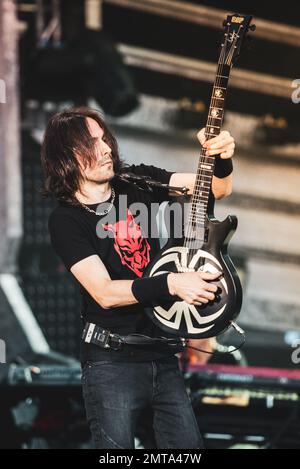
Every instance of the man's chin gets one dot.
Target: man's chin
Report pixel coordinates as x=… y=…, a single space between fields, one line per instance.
x=104 y=178
x=111 y=175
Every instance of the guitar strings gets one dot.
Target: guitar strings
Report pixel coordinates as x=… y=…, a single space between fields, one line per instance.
x=203 y=160
x=204 y=157
x=213 y=104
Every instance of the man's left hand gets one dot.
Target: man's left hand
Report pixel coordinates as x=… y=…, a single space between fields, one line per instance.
x=222 y=145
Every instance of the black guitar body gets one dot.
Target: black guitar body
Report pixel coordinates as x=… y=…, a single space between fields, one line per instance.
x=210 y=319
x=204 y=243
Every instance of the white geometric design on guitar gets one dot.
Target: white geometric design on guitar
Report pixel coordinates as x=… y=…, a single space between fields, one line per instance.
x=181 y=309
x=185 y=310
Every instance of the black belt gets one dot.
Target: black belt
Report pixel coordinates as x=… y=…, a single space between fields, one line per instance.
x=93 y=334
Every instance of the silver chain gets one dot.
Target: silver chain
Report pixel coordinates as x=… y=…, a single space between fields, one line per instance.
x=105 y=212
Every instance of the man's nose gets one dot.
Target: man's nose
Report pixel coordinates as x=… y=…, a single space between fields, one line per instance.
x=105 y=149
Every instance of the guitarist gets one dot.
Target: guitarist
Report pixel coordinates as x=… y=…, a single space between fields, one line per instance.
x=80 y=161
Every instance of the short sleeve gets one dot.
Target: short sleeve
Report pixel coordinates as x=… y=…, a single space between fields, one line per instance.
x=69 y=239
x=157 y=174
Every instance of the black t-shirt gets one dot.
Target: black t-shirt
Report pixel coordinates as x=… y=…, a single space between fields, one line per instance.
x=76 y=234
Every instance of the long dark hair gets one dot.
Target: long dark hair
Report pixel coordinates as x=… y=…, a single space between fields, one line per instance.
x=66 y=135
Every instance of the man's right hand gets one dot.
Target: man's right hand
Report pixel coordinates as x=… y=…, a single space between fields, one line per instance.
x=193 y=287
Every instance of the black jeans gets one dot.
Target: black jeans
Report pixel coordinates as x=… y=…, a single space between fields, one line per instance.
x=115 y=393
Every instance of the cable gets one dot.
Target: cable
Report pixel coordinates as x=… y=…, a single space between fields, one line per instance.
x=229 y=350
x=176 y=341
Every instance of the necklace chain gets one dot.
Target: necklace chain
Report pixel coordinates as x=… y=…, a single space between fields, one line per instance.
x=105 y=212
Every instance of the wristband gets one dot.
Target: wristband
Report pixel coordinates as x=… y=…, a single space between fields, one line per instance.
x=223 y=167
x=151 y=290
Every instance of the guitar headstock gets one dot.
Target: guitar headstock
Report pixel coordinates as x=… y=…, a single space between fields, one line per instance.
x=236 y=28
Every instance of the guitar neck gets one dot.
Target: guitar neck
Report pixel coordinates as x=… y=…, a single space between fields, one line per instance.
x=213 y=126
x=236 y=27
x=217 y=102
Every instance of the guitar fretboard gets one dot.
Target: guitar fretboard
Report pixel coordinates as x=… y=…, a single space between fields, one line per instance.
x=236 y=26
x=199 y=201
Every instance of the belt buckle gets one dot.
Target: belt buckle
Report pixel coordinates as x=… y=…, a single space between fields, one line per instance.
x=119 y=344
x=105 y=336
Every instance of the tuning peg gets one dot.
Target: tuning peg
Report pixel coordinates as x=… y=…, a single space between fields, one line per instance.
x=253 y=27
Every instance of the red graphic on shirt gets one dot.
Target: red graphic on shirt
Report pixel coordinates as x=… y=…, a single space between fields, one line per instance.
x=130 y=244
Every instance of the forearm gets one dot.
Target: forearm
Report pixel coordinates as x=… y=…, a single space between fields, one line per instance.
x=116 y=293
x=193 y=287
x=144 y=291
x=92 y=274
x=221 y=187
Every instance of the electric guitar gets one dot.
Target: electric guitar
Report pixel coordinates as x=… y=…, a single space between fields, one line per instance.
x=204 y=240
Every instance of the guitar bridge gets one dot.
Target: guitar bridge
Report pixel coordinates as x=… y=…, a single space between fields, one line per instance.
x=181 y=269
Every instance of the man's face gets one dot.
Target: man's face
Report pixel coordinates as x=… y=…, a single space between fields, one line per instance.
x=102 y=170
